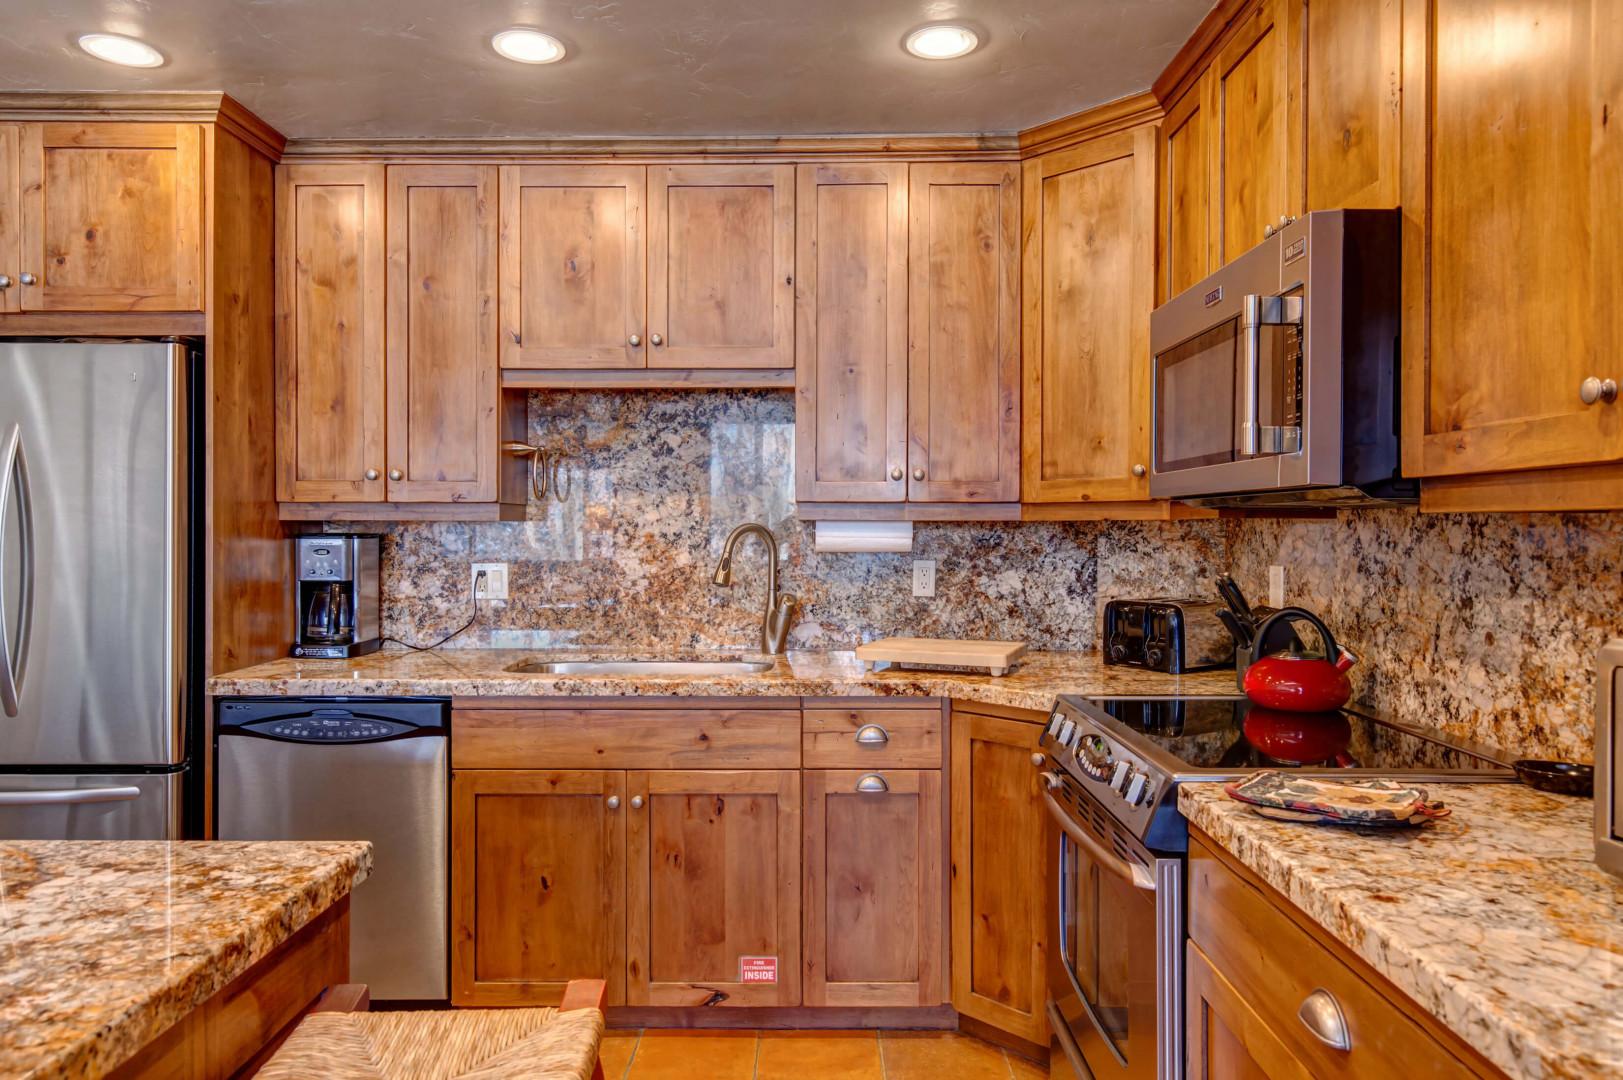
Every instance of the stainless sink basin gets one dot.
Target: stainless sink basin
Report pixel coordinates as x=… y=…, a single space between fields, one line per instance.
x=642 y=667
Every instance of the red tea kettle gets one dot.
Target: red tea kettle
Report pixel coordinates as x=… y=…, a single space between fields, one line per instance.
x=1295 y=681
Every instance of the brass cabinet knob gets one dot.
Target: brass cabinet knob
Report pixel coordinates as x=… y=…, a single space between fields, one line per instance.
x=918 y=474
x=1139 y=470
x=27 y=278
x=1592 y=390
x=896 y=472
x=5 y=281
x=396 y=474
x=371 y=474
x=634 y=340
x=655 y=339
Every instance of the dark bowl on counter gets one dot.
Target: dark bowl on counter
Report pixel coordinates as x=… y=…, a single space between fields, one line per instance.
x=1558 y=777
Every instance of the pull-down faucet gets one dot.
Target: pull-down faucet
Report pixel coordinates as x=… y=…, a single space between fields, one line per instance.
x=779 y=608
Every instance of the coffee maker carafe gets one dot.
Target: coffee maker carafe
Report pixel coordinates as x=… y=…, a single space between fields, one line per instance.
x=338 y=595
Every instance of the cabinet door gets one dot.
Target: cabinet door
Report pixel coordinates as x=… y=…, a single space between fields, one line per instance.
x=1000 y=877
x=112 y=217
x=963 y=367
x=1513 y=257
x=1184 y=216
x=714 y=879
x=721 y=252
x=1256 y=160
x=875 y=892
x=1089 y=278
x=1346 y=67
x=574 y=268
x=11 y=210
x=538 y=885
x=329 y=340
x=851 y=327
x=441 y=377
x=1227 y=1040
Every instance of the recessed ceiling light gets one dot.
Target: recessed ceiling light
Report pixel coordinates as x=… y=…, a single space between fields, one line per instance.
x=118 y=49
x=942 y=42
x=528 y=46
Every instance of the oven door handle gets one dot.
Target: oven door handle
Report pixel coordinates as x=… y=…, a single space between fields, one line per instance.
x=1067 y=1043
x=1134 y=874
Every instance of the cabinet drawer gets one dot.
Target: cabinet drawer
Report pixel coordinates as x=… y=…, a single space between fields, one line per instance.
x=847 y=739
x=1275 y=965
x=625 y=739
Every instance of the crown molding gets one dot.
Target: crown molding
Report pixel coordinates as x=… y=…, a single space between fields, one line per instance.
x=1106 y=119
x=1197 y=52
x=730 y=147
x=152 y=106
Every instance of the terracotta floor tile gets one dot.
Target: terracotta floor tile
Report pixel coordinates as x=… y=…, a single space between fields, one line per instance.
x=807 y=1055
x=933 y=1055
x=1023 y=1069
x=615 y=1054
x=694 y=1055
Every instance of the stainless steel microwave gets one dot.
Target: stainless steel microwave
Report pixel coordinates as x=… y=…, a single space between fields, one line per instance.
x=1276 y=378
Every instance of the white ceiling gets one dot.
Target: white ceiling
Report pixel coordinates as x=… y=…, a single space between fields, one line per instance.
x=353 y=69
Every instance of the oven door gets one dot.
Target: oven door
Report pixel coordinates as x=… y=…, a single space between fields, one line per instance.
x=1116 y=979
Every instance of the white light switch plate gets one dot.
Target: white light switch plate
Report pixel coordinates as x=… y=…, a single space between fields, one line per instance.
x=923 y=577
x=495 y=583
x=1276 y=586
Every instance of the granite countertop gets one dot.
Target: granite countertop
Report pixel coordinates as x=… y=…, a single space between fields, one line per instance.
x=1496 y=919
x=108 y=943
x=1040 y=677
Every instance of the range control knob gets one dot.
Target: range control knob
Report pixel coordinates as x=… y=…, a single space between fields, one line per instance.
x=1067 y=733
x=1123 y=773
x=1137 y=787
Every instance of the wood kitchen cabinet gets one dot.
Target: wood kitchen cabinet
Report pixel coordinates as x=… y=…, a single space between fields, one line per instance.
x=874 y=902
x=1184 y=190
x=1348 y=76
x=714 y=877
x=1257 y=144
x=101 y=217
x=1089 y=281
x=538 y=872
x=999 y=872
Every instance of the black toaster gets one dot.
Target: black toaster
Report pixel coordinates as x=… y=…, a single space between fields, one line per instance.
x=1166 y=634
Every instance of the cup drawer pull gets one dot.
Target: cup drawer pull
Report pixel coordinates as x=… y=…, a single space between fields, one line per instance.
x=872 y=735
x=1321 y=1014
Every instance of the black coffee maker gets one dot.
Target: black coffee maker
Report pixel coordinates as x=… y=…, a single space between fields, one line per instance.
x=338 y=595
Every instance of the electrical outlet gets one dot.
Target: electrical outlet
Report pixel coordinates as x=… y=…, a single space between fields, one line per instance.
x=1276 y=586
x=923 y=577
x=494 y=587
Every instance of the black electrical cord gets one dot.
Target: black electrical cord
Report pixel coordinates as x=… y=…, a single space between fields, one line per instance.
x=473 y=598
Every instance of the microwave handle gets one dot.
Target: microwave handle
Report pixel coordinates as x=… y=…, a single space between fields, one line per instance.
x=1257 y=312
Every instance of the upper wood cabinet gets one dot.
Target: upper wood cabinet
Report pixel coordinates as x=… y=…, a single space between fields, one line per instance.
x=101 y=217
x=330 y=333
x=1513 y=255
x=1184 y=190
x=721 y=250
x=1351 y=92
x=1089 y=280
x=963 y=371
x=1258 y=163
x=851 y=329
x=574 y=266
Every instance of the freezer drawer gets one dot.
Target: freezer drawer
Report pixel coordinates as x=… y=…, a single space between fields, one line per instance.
x=102 y=806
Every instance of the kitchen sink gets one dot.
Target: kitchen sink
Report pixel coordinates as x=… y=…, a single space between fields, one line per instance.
x=642 y=667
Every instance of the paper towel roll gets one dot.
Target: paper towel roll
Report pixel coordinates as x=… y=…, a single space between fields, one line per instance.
x=894 y=536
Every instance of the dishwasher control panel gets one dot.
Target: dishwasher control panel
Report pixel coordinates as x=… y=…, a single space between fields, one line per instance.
x=329 y=729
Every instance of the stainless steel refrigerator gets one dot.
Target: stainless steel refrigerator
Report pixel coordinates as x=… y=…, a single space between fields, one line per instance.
x=96 y=598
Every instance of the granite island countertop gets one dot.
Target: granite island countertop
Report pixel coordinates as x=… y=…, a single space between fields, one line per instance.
x=106 y=944
x=1496 y=919
x=1040 y=678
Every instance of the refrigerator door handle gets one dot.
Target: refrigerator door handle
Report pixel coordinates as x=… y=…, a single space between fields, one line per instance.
x=14 y=656
x=69 y=796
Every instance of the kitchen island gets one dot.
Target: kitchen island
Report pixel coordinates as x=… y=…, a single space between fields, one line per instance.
x=125 y=956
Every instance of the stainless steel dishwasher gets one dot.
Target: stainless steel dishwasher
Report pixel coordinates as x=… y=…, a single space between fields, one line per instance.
x=353 y=769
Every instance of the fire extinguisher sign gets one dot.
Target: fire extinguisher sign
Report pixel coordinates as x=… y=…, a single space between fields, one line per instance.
x=758 y=969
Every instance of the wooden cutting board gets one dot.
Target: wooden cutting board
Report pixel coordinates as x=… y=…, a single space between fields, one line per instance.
x=997 y=657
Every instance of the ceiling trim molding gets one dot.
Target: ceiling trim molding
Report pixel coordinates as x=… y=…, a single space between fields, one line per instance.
x=793 y=147
x=1106 y=119
x=151 y=106
x=1196 y=53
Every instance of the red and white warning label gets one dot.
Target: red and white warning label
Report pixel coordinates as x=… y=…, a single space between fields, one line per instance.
x=758 y=969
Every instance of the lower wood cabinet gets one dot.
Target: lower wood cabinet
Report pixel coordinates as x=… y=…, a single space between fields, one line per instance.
x=874 y=895
x=999 y=873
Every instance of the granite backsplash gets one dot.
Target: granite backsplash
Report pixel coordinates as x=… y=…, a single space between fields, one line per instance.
x=1483 y=625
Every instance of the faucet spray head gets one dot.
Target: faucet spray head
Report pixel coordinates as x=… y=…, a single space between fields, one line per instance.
x=724 y=571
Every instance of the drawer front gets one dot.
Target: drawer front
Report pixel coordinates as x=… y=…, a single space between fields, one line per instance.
x=625 y=739
x=872 y=739
x=1276 y=965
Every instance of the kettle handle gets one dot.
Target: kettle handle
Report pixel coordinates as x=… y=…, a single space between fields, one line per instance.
x=1332 y=651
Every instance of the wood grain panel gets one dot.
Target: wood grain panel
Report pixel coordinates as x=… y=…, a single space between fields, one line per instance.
x=873 y=892
x=1089 y=283
x=1351 y=88
x=574 y=266
x=1226 y=1038
x=963 y=368
x=538 y=886
x=1252 y=184
x=912 y=739
x=851 y=332
x=329 y=342
x=1184 y=218
x=112 y=217
x=11 y=211
x=714 y=876
x=654 y=738
x=441 y=377
x=721 y=252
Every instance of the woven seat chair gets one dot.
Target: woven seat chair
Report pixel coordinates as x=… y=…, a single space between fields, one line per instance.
x=339 y=1040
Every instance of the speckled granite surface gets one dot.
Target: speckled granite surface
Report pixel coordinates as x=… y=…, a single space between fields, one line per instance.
x=483 y=673
x=1496 y=919
x=106 y=944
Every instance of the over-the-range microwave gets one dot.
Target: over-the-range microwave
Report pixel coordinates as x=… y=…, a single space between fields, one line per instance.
x=1276 y=378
